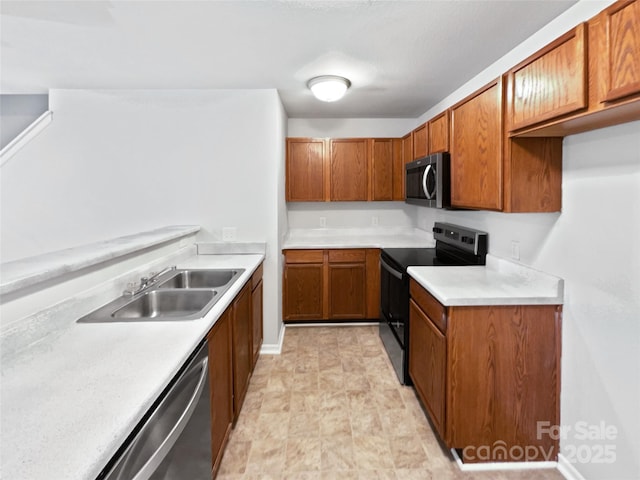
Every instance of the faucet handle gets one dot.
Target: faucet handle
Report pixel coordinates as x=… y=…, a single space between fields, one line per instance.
x=131 y=288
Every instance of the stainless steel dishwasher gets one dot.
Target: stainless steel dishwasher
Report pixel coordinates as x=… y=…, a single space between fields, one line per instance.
x=173 y=441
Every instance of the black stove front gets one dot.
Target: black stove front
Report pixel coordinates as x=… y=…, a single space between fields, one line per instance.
x=455 y=246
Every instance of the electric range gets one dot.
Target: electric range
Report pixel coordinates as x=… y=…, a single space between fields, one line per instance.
x=455 y=246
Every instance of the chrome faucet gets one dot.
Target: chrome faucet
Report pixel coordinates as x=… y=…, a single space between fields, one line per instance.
x=146 y=282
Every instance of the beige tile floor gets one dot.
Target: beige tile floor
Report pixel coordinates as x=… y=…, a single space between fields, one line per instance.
x=330 y=407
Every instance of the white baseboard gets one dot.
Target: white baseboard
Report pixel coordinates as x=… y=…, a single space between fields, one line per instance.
x=568 y=471
x=479 y=467
x=273 y=348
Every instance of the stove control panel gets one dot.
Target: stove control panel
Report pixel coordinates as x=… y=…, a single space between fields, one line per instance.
x=473 y=241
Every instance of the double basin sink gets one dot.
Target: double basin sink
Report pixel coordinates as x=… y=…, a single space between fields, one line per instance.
x=183 y=294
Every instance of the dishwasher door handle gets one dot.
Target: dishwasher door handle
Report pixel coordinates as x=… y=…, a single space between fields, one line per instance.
x=161 y=431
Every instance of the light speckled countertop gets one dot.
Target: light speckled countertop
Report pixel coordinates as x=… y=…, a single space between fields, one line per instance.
x=29 y=271
x=500 y=282
x=69 y=402
x=358 y=238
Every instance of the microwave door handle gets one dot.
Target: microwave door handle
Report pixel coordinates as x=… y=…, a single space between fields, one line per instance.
x=391 y=270
x=424 y=182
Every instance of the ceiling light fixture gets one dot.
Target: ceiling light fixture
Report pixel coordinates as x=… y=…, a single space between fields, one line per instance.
x=329 y=88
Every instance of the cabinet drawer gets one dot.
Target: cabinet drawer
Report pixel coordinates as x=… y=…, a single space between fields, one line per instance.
x=303 y=256
x=432 y=307
x=347 y=256
x=256 y=277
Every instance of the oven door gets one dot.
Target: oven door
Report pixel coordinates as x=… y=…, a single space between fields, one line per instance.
x=394 y=293
x=394 y=317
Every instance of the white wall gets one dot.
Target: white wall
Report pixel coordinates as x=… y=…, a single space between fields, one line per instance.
x=119 y=162
x=351 y=214
x=349 y=127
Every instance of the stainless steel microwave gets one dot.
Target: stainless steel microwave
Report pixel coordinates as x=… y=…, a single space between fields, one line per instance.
x=428 y=181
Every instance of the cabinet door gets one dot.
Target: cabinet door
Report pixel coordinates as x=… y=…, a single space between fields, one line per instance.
x=305 y=169
x=427 y=364
x=347 y=291
x=303 y=291
x=476 y=150
x=439 y=133
x=407 y=148
x=622 y=50
x=382 y=169
x=373 y=282
x=551 y=83
x=221 y=381
x=504 y=376
x=349 y=169
x=398 y=170
x=420 y=140
x=242 y=348
x=256 y=314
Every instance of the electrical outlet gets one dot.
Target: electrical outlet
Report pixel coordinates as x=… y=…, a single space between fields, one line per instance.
x=229 y=234
x=323 y=222
x=515 y=250
x=374 y=221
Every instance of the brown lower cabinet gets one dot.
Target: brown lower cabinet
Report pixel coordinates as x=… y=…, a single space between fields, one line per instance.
x=256 y=314
x=336 y=285
x=242 y=347
x=234 y=345
x=487 y=375
x=221 y=382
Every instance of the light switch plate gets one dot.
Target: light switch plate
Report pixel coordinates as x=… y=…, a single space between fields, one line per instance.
x=229 y=234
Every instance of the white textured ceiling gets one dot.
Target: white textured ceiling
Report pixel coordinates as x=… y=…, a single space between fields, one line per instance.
x=401 y=56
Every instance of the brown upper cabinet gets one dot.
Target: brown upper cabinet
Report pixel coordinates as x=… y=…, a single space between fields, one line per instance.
x=349 y=169
x=382 y=169
x=493 y=172
x=407 y=148
x=551 y=83
x=306 y=169
x=420 y=141
x=587 y=79
x=344 y=169
x=386 y=169
x=476 y=150
x=439 y=133
x=620 y=27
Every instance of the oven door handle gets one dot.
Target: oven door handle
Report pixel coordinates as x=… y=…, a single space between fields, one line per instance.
x=390 y=269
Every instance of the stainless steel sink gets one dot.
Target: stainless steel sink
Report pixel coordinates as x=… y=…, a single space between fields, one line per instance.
x=200 y=279
x=175 y=296
x=167 y=303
